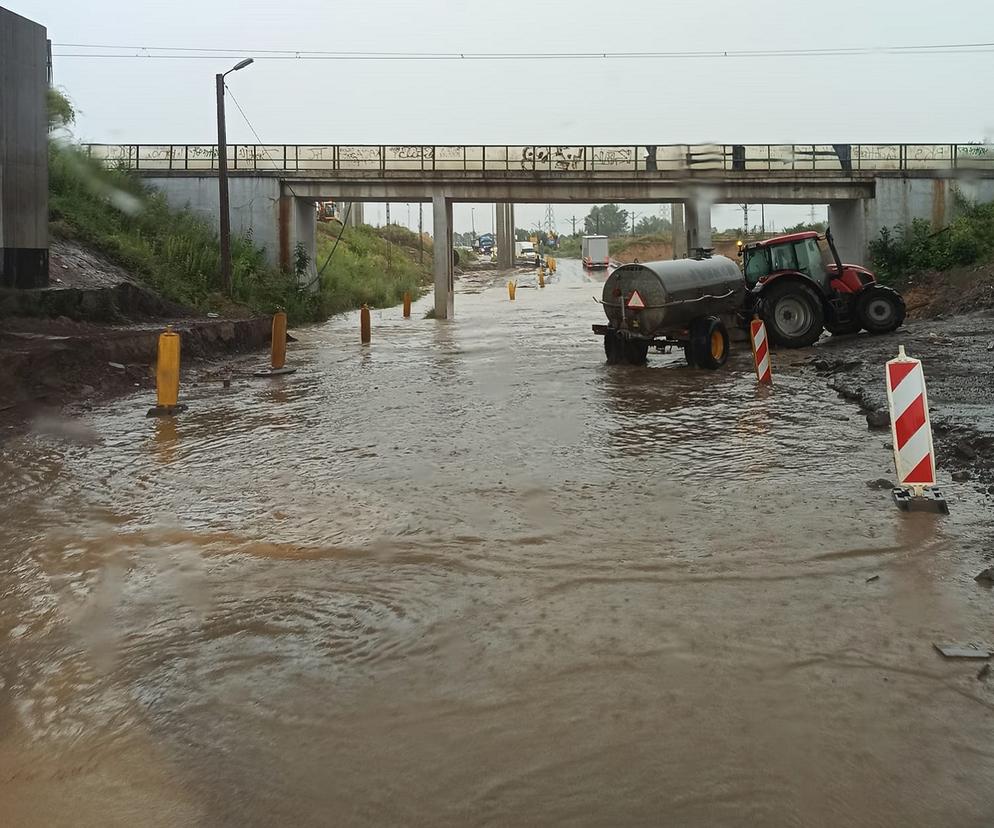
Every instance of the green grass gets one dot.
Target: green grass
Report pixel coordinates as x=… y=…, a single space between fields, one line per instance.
x=172 y=252
x=372 y=266
x=176 y=254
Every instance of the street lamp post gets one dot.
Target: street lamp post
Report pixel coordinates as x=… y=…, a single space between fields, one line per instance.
x=222 y=179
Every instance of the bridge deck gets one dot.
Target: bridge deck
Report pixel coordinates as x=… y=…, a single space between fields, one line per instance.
x=567 y=160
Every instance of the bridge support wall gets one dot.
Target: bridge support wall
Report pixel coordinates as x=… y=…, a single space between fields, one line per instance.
x=679 y=231
x=505 y=236
x=303 y=239
x=444 y=277
x=255 y=206
x=697 y=218
x=899 y=201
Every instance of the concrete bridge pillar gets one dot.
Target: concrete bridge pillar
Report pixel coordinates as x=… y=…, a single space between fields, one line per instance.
x=847 y=219
x=298 y=238
x=444 y=277
x=698 y=223
x=679 y=231
x=505 y=236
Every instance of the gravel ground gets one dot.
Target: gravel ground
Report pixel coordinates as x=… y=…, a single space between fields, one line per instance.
x=957 y=354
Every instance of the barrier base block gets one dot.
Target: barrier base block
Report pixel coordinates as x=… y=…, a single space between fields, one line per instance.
x=931 y=500
x=166 y=410
x=274 y=372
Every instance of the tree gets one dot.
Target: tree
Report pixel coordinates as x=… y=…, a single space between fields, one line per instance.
x=649 y=225
x=801 y=226
x=606 y=220
x=61 y=112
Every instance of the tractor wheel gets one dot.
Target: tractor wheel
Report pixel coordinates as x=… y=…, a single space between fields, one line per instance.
x=708 y=343
x=880 y=309
x=793 y=313
x=635 y=351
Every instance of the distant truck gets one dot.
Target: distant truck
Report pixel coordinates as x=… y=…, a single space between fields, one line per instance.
x=594 y=251
x=486 y=243
x=526 y=250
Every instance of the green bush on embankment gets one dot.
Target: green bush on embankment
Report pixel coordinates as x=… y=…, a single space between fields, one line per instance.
x=371 y=266
x=912 y=248
x=172 y=251
x=176 y=254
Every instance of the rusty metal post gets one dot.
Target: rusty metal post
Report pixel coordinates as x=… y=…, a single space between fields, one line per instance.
x=364 y=325
x=407 y=306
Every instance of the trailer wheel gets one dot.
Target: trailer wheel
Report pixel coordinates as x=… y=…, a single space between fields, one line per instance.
x=793 y=314
x=880 y=309
x=708 y=343
x=635 y=351
x=613 y=348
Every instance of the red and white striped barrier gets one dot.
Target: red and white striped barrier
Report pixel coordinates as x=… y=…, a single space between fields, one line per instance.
x=761 y=351
x=914 y=454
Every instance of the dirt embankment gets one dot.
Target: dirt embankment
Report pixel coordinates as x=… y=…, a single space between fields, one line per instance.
x=660 y=251
x=934 y=294
x=95 y=332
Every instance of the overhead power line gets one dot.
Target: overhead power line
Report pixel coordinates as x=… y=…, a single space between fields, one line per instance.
x=192 y=53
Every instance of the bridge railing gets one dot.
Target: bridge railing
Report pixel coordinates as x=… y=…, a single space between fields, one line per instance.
x=563 y=159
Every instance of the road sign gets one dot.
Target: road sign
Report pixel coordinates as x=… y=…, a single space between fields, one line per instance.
x=761 y=351
x=635 y=301
x=914 y=454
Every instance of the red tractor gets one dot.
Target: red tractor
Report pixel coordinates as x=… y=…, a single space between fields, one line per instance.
x=799 y=286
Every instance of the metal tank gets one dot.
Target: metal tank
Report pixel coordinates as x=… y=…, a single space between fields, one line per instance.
x=674 y=294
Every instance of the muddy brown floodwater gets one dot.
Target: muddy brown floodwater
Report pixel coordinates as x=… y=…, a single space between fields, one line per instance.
x=472 y=575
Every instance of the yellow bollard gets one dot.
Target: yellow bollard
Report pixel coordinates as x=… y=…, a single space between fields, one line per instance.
x=364 y=325
x=541 y=277
x=167 y=375
x=278 y=347
x=277 y=350
x=407 y=306
x=511 y=288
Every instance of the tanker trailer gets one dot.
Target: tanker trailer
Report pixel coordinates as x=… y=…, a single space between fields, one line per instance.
x=688 y=303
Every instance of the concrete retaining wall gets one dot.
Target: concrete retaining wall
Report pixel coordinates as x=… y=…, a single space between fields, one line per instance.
x=255 y=206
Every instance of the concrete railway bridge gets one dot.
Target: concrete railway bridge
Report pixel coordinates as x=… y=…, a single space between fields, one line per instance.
x=273 y=187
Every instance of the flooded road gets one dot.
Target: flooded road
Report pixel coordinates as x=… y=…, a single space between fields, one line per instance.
x=472 y=575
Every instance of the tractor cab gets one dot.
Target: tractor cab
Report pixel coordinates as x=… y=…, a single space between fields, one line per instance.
x=799 y=285
x=805 y=253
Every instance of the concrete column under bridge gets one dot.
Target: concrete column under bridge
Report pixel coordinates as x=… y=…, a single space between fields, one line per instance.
x=698 y=224
x=298 y=238
x=505 y=236
x=847 y=220
x=444 y=277
x=679 y=231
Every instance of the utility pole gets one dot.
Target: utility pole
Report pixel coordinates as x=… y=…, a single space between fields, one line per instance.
x=762 y=218
x=421 y=231
x=745 y=218
x=388 y=213
x=633 y=222
x=574 y=225
x=224 y=225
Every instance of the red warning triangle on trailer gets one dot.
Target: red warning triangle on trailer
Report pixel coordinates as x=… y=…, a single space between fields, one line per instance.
x=635 y=301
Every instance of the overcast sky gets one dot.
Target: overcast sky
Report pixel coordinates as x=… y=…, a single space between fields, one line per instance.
x=851 y=99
